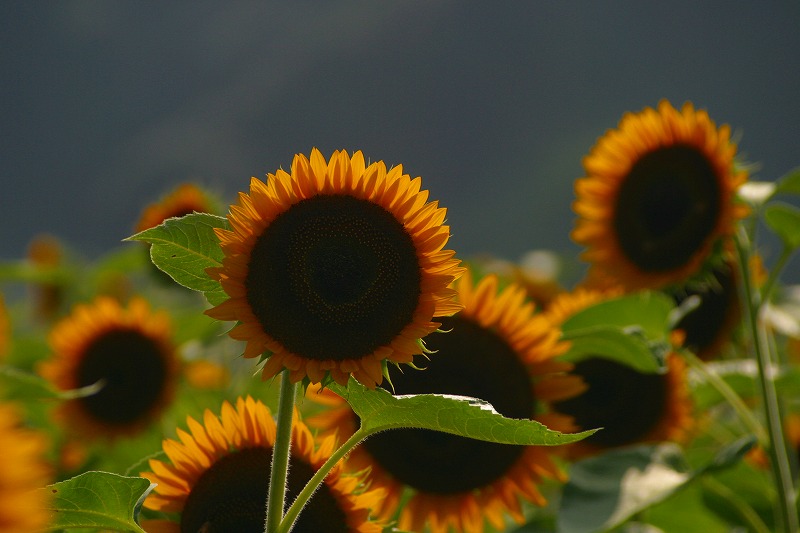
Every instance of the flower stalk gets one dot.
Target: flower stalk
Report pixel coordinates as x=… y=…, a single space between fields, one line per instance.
x=779 y=460
x=280 y=454
x=297 y=506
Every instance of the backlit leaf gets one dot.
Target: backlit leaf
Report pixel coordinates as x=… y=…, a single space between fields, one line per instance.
x=99 y=500
x=605 y=491
x=784 y=220
x=184 y=248
x=468 y=417
x=790 y=183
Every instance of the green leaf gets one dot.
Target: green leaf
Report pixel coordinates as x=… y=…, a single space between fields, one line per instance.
x=613 y=343
x=790 y=183
x=784 y=220
x=686 y=512
x=752 y=487
x=19 y=384
x=184 y=248
x=646 y=310
x=632 y=330
x=605 y=491
x=98 y=500
x=459 y=415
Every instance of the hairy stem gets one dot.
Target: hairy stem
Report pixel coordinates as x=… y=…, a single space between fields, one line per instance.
x=280 y=455
x=294 y=511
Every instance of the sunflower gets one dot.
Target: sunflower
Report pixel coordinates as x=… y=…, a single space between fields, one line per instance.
x=658 y=197
x=5 y=329
x=707 y=329
x=185 y=199
x=218 y=476
x=45 y=253
x=630 y=406
x=334 y=269
x=495 y=349
x=128 y=352
x=23 y=470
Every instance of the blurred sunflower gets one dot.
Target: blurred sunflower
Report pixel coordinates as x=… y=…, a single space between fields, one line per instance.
x=495 y=349
x=218 y=476
x=127 y=352
x=334 y=269
x=658 y=197
x=708 y=328
x=185 y=199
x=45 y=253
x=5 y=329
x=22 y=471
x=630 y=406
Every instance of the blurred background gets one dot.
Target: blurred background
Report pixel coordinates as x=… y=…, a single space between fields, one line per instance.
x=106 y=105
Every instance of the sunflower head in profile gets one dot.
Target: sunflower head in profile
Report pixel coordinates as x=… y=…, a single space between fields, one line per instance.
x=335 y=269
x=709 y=327
x=629 y=405
x=23 y=470
x=185 y=199
x=658 y=197
x=495 y=349
x=127 y=352
x=217 y=477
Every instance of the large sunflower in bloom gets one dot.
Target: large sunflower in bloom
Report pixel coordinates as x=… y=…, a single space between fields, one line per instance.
x=335 y=268
x=217 y=477
x=23 y=470
x=497 y=350
x=658 y=196
x=630 y=406
x=126 y=352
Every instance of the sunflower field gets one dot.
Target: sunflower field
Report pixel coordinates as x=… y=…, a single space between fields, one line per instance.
x=314 y=357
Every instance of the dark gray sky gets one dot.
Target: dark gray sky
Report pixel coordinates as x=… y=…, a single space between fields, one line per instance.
x=105 y=105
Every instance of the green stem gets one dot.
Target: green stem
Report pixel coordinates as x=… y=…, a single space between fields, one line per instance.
x=280 y=454
x=730 y=396
x=746 y=512
x=294 y=511
x=774 y=274
x=777 y=443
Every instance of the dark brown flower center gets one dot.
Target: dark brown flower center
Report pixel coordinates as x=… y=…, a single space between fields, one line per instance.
x=667 y=206
x=470 y=361
x=232 y=496
x=334 y=277
x=718 y=307
x=134 y=371
x=625 y=403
